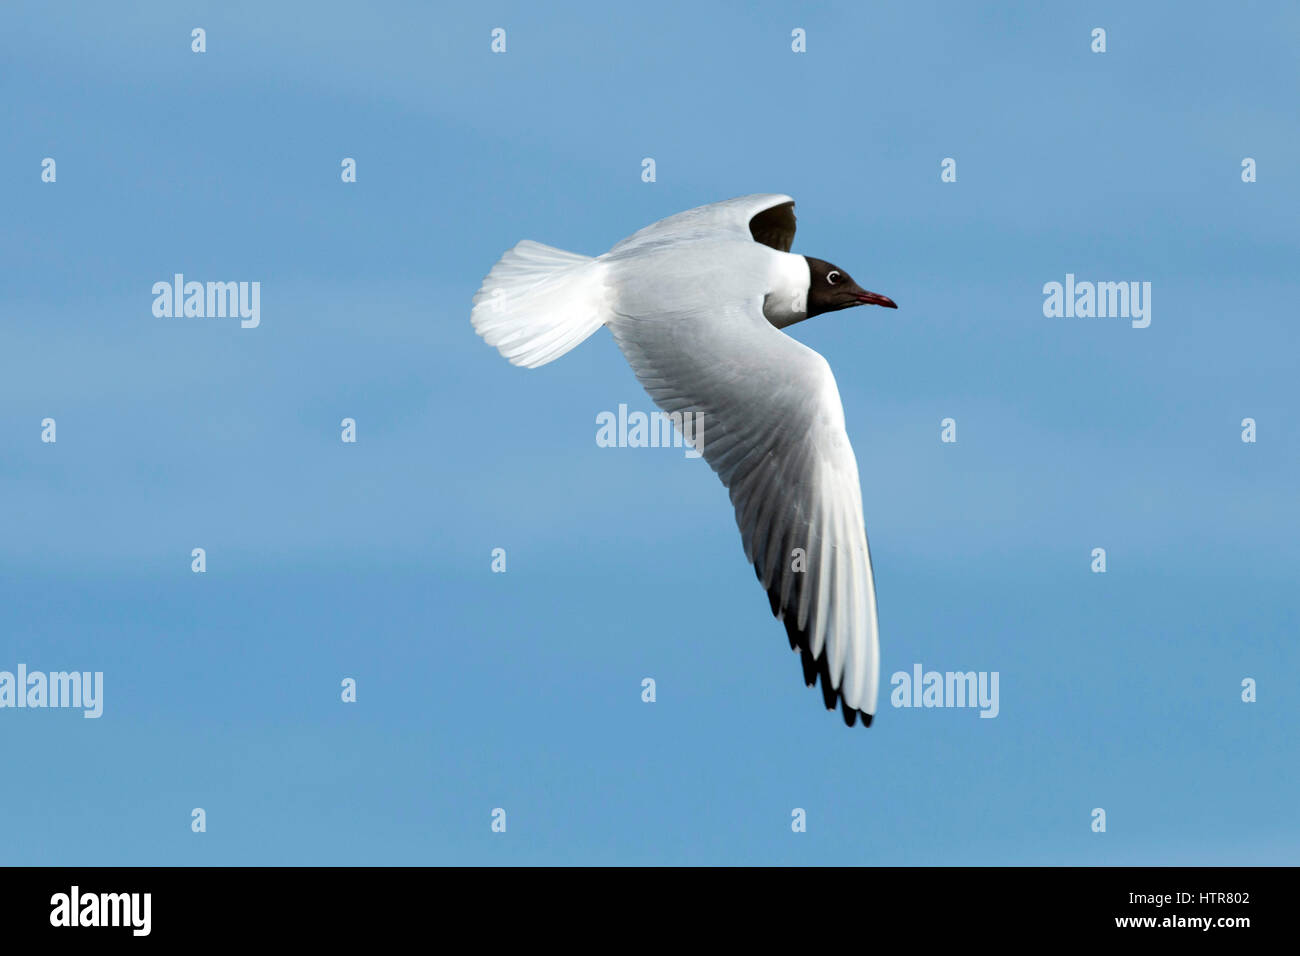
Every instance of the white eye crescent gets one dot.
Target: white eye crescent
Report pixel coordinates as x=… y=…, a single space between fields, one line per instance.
x=833 y=276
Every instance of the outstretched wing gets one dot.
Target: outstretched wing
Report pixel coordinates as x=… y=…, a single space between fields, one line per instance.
x=767 y=416
x=767 y=218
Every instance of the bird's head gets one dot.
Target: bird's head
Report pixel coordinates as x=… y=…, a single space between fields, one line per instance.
x=830 y=289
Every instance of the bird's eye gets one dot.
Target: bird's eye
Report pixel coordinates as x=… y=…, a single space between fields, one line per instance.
x=833 y=276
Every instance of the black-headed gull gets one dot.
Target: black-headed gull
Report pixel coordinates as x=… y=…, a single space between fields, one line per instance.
x=696 y=302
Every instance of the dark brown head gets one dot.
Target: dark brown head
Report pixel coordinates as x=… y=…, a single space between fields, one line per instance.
x=831 y=289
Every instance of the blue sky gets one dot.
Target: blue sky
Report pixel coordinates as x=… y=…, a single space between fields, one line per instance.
x=522 y=690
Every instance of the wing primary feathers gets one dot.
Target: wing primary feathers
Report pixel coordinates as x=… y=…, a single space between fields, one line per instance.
x=850 y=715
x=774 y=226
x=813 y=668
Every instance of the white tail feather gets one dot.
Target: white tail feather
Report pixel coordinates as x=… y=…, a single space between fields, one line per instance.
x=538 y=302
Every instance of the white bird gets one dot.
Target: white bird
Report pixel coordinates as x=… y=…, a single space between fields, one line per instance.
x=696 y=303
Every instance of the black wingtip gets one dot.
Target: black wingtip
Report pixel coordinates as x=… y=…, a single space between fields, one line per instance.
x=830 y=696
x=814 y=668
x=851 y=715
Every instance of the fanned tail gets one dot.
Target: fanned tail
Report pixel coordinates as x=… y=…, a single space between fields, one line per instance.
x=538 y=302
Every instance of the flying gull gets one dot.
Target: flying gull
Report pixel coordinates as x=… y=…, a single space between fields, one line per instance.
x=696 y=303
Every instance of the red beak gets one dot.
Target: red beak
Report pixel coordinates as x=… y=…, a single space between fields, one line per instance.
x=873 y=298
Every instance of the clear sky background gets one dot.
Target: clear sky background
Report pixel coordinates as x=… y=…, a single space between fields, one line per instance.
x=523 y=690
